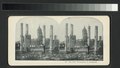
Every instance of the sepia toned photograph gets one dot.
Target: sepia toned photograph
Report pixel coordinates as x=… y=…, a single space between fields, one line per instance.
x=58 y=40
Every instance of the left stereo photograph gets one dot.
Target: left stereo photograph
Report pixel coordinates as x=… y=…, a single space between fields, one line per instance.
x=58 y=40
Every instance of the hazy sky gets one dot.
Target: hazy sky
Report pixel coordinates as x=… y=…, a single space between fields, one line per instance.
x=58 y=23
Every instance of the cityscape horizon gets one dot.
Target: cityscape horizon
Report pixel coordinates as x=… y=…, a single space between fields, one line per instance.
x=47 y=47
x=78 y=23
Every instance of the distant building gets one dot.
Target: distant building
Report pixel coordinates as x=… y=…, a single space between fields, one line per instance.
x=34 y=43
x=79 y=42
x=91 y=47
x=47 y=46
x=55 y=42
x=37 y=44
x=62 y=46
x=89 y=35
x=89 y=38
x=85 y=36
x=44 y=35
x=27 y=39
x=17 y=46
x=51 y=38
x=96 y=40
x=40 y=36
x=66 y=38
x=100 y=46
x=22 y=38
x=79 y=47
x=55 y=45
x=72 y=39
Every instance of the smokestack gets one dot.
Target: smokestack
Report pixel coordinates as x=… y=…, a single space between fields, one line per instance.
x=51 y=37
x=44 y=34
x=27 y=29
x=71 y=29
x=96 y=39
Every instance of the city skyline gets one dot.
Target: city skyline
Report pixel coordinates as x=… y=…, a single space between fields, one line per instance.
x=69 y=31
x=52 y=45
x=70 y=40
x=58 y=29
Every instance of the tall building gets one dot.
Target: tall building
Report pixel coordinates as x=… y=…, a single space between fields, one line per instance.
x=100 y=38
x=40 y=36
x=96 y=39
x=100 y=46
x=44 y=34
x=89 y=35
x=22 y=37
x=55 y=43
x=27 y=39
x=72 y=38
x=51 y=38
x=67 y=38
x=89 y=38
x=47 y=46
x=71 y=29
x=84 y=34
x=72 y=41
x=27 y=29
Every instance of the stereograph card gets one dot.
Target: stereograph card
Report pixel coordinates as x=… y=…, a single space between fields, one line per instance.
x=58 y=40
